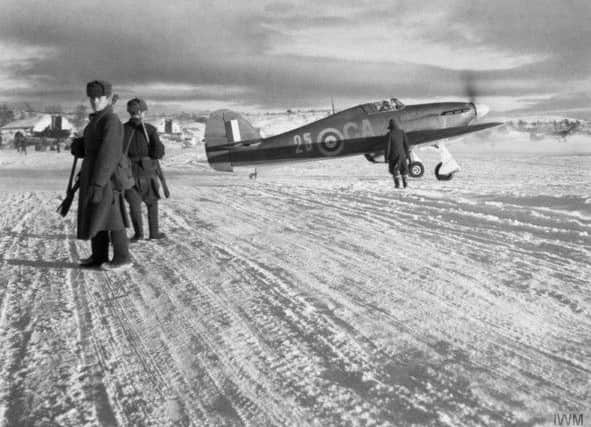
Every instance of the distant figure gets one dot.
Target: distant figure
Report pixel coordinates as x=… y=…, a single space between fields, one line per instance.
x=253 y=174
x=101 y=207
x=397 y=153
x=17 y=141
x=20 y=143
x=144 y=155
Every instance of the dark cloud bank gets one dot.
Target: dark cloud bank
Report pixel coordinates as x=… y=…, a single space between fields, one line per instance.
x=214 y=43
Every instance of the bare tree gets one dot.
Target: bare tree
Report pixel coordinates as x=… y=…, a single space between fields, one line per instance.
x=6 y=115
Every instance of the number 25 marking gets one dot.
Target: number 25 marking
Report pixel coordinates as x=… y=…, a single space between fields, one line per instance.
x=300 y=143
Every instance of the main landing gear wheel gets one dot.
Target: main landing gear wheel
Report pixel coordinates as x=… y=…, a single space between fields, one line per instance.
x=442 y=177
x=371 y=158
x=416 y=169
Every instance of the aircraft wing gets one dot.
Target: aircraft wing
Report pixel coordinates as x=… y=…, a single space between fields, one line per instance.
x=424 y=136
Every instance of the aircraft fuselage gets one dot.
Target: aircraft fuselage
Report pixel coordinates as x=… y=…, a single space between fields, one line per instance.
x=354 y=131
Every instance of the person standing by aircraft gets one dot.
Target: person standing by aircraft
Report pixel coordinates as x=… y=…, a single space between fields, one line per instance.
x=397 y=153
x=101 y=209
x=145 y=149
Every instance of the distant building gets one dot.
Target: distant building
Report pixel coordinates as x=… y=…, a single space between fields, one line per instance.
x=44 y=131
x=168 y=126
x=40 y=125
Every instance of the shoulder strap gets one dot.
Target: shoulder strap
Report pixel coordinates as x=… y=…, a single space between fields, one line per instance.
x=145 y=133
x=129 y=141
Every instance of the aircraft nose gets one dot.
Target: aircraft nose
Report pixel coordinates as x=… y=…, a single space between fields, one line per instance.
x=481 y=110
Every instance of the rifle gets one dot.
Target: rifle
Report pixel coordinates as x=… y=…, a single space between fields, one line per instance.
x=162 y=179
x=64 y=207
x=158 y=168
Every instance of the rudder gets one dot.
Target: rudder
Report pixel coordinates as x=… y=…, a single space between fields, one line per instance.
x=224 y=128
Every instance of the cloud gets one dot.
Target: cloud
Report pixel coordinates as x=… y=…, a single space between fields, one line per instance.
x=277 y=54
x=573 y=104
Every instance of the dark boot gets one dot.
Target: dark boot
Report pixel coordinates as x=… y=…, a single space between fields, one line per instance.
x=121 y=259
x=136 y=222
x=99 y=245
x=137 y=228
x=404 y=184
x=396 y=182
x=135 y=212
x=153 y=222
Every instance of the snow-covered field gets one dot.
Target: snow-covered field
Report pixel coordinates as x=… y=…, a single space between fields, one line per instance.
x=315 y=295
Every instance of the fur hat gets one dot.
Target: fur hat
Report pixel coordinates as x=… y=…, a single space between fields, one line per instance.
x=98 y=88
x=136 y=105
x=392 y=124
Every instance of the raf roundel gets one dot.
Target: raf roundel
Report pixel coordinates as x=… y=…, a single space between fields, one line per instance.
x=331 y=142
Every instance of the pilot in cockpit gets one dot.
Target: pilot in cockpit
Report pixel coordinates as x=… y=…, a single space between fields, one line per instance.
x=397 y=105
x=386 y=106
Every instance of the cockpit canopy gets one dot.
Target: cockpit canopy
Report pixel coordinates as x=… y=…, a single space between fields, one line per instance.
x=392 y=104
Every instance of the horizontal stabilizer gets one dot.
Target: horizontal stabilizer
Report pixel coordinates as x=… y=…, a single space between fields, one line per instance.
x=423 y=136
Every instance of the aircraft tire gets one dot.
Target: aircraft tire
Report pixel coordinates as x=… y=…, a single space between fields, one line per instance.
x=442 y=177
x=370 y=158
x=416 y=169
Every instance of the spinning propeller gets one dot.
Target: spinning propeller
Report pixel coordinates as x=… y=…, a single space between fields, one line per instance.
x=471 y=92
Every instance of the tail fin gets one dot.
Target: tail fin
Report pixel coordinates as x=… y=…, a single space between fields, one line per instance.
x=223 y=128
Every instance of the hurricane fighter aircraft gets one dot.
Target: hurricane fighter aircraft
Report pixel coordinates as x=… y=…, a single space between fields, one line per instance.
x=231 y=141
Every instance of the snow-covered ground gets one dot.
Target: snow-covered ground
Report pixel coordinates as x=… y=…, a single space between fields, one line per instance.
x=315 y=295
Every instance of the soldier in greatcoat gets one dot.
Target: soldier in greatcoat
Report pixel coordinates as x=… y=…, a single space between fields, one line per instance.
x=101 y=210
x=397 y=153
x=145 y=149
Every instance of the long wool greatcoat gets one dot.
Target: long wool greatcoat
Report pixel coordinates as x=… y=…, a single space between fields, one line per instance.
x=144 y=157
x=101 y=148
x=397 y=151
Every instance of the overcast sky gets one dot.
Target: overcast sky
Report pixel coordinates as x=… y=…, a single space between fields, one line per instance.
x=524 y=56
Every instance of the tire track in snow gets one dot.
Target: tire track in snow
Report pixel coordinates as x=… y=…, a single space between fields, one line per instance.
x=259 y=215
x=273 y=280
x=459 y=273
x=196 y=310
x=228 y=256
x=270 y=311
x=127 y=378
x=42 y=358
x=20 y=297
x=224 y=253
